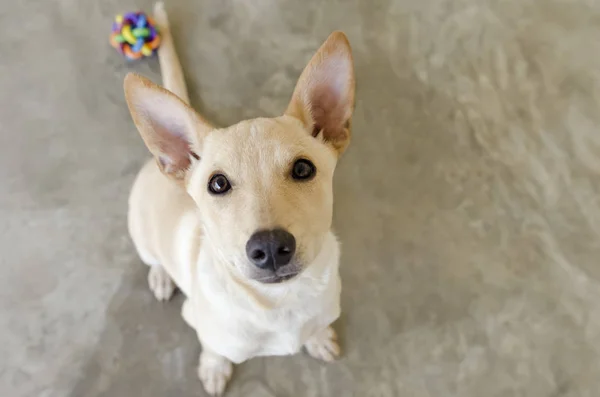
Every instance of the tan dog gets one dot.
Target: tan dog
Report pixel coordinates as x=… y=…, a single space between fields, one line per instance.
x=239 y=218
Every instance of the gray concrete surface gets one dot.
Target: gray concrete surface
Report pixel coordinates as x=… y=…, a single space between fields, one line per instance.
x=468 y=203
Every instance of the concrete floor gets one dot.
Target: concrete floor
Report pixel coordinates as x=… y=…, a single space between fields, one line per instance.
x=468 y=203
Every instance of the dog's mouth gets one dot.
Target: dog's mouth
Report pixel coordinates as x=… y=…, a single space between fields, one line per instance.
x=276 y=278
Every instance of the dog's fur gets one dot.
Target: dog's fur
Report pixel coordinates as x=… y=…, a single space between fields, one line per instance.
x=196 y=240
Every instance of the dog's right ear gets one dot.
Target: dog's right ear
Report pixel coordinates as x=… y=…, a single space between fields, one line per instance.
x=324 y=95
x=171 y=129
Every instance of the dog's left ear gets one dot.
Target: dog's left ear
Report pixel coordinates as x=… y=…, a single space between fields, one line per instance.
x=171 y=129
x=324 y=96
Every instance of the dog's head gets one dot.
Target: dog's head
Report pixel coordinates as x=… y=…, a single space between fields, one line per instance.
x=263 y=187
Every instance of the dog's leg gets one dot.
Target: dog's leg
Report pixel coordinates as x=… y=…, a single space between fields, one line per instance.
x=160 y=283
x=188 y=314
x=323 y=345
x=214 y=372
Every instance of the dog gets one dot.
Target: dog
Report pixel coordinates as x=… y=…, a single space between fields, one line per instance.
x=239 y=218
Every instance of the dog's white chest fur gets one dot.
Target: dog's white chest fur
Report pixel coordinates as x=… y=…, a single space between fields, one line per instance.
x=239 y=320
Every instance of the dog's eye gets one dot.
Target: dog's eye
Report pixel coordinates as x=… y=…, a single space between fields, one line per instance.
x=218 y=184
x=303 y=170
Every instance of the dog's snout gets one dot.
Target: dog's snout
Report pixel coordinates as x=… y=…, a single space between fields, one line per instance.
x=271 y=249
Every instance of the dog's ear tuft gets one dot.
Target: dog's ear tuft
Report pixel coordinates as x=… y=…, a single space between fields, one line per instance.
x=171 y=129
x=324 y=95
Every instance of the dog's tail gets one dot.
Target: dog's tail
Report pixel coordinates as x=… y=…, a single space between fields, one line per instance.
x=170 y=67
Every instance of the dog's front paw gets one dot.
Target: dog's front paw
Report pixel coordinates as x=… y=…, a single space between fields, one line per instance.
x=323 y=345
x=160 y=283
x=214 y=372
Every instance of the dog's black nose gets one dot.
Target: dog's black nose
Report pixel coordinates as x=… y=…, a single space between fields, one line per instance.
x=271 y=249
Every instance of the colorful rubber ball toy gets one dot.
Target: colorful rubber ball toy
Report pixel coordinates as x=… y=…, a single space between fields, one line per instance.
x=135 y=35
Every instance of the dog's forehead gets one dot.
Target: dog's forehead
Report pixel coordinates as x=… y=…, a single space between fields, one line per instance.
x=276 y=141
